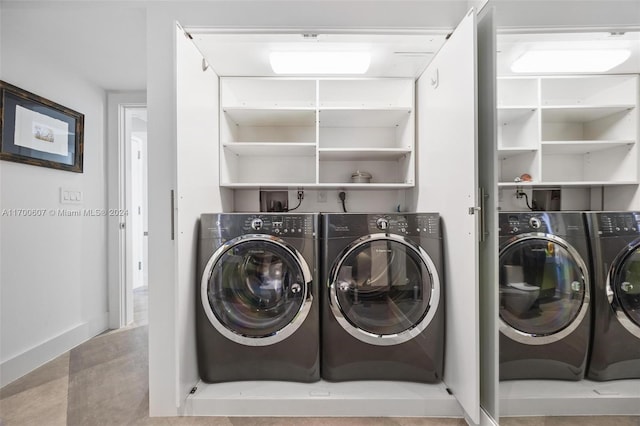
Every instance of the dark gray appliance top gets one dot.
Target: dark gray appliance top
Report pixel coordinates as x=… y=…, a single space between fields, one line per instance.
x=337 y=225
x=615 y=224
x=231 y=225
x=556 y=223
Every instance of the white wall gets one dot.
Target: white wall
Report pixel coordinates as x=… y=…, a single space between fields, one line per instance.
x=53 y=275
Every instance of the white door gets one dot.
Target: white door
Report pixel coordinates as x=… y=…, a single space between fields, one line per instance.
x=122 y=108
x=488 y=180
x=447 y=183
x=136 y=213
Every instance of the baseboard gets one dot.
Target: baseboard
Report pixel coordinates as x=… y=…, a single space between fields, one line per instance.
x=35 y=357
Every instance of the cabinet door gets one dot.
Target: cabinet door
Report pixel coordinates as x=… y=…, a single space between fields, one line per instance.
x=448 y=183
x=197 y=192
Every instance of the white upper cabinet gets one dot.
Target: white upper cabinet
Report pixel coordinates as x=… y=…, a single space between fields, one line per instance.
x=576 y=130
x=333 y=127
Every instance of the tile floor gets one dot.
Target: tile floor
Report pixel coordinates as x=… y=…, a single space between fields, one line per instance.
x=104 y=381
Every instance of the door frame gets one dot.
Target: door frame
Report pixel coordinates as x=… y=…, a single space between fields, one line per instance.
x=119 y=303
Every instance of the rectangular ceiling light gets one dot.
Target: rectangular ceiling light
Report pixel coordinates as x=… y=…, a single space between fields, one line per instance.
x=317 y=62
x=583 y=60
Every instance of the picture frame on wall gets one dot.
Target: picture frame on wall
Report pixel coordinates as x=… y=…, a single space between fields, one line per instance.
x=39 y=132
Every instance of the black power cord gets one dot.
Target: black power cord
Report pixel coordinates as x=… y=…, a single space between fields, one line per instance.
x=343 y=196
x=521 y=194
x=300 y=197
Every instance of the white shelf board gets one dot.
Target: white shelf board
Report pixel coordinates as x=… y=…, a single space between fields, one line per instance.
x=363 y=117
x=512 y=152
x=269 y=149
x=513 y=113
x=562 y=398
x=322 y=399
x=565 y=184
x=580 y=113
x=328 y=185
x=246 y=116
x=580 y=147
x=362 y=154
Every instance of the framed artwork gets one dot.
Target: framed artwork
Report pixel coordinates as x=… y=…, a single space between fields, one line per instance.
x=37 y=131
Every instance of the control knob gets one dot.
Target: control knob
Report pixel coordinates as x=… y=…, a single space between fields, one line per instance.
x=256 y=224
x=535 y=222
x=382 y=224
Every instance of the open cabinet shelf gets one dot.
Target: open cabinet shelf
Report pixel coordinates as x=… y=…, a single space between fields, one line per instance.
x=584 y=132
x=287 y=117
x=352 y=125
x=271 y=149
x=581 y=147
x=584 y=184
x=581 y=113
x=363 y=117
x=348 y=154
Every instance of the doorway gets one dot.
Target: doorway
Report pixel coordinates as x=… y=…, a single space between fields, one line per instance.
x=127 y=226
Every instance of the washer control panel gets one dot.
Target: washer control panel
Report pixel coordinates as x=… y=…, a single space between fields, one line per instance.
x=623 y=223
x=519 y=223
x=540 y=222
x=226 y=226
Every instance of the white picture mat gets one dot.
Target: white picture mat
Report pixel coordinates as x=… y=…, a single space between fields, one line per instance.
x=41 y=132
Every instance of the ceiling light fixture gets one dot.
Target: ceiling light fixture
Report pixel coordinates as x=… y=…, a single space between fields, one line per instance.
x=316 y=62
x=583 y=60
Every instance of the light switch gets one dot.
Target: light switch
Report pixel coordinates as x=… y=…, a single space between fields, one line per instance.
x=70 y=196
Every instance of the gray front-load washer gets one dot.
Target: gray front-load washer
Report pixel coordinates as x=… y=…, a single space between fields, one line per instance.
x=257 y=315
x=615 y=243
x=383 y=297
x=544 y=307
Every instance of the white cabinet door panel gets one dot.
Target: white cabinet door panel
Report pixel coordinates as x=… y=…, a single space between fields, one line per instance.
x=447 y=183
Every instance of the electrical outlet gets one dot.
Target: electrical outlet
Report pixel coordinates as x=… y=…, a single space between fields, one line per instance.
x=322 y=196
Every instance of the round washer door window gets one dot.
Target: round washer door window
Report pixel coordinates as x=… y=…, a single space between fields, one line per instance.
x=544 y=290
x=384 y=289
x=255 y=290
x=626 y=289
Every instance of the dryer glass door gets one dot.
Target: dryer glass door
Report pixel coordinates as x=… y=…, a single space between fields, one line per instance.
x=256 y=288
x=626 y=286
x=383 y=287
x=542 y=286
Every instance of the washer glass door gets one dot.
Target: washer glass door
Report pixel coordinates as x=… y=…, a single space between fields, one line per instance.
x=382 y=287
x=626 y=287
x=255 y=288
x=543 y=286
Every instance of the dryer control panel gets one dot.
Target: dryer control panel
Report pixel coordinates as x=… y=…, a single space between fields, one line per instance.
x=413 y=224
x=619 y=223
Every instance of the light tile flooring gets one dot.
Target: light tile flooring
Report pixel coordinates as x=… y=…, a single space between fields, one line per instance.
x=105 y=382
